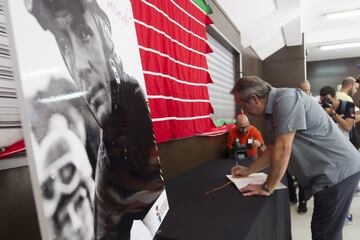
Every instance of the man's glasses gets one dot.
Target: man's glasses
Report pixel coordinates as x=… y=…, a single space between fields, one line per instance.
x=243 y=102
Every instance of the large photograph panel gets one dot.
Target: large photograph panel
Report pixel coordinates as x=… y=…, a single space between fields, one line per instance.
x=95 y=161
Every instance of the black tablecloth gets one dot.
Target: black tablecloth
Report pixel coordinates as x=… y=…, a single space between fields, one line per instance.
x=224 y=214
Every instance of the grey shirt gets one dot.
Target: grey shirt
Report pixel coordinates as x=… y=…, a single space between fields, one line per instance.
x=321 y=155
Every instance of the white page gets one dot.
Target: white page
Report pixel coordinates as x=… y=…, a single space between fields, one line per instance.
x=255 y=178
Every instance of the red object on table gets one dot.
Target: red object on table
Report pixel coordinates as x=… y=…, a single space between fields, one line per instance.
x=13 y=149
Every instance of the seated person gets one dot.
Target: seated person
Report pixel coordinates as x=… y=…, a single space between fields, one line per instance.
x=244 y=131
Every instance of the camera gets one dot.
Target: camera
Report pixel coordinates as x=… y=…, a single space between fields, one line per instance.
x=326 y=103
x=241 y=154
x=240 y=150
x=249 y=143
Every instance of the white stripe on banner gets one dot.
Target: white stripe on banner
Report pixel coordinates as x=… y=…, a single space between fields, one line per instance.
x=189 y=15
x=169 y=37
x=175 y=79
x=173 y=21
x=179 y=118
x=176 y=99
x=171 y=59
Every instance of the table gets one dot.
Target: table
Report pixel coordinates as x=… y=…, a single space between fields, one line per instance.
x=223 y=214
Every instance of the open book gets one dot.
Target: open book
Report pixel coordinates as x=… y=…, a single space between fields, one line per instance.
x=255 y=178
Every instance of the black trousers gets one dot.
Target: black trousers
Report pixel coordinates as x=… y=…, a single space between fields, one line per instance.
x=292 y=190
x=291 y=187
x=331 y=206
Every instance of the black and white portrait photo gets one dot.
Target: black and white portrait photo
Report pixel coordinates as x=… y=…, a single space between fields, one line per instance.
x=93 y=155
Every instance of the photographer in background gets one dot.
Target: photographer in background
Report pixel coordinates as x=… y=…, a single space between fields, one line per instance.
x=244 y=134
x=342 y=112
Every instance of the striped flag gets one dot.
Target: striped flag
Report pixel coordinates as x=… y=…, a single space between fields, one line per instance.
x=173 y=47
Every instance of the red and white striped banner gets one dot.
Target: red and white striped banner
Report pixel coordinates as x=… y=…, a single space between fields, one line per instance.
x=172 y=43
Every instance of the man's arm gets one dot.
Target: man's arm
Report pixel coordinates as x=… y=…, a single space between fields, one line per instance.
x=345 y=124
x=357 y=116
x=280 y=155
x=347 y=121
x=261 y=162
x=280 y=159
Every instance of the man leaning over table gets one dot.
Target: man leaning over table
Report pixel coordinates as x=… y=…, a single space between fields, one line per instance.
x=325 y=163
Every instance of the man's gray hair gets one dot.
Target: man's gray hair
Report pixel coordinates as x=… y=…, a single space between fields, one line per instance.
x=347 y=82
x=249 y=86
x=304 y=82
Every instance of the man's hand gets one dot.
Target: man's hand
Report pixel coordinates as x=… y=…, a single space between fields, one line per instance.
x=256 y=143
x=239 y=171
x=330 y=111
x=154 y=185
x=135 y=207
x=253 y=189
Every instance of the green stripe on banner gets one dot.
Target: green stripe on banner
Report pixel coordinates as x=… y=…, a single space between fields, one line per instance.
x=205 y=7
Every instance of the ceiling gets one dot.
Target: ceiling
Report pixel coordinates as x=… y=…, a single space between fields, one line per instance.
x=268 y=25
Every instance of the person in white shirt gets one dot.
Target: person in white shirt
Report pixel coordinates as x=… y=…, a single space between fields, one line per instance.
x=349 y=87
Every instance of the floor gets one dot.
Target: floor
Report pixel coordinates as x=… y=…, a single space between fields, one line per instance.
x=301 y=223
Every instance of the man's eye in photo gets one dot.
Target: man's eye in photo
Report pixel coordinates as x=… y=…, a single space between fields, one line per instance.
x=85 y=33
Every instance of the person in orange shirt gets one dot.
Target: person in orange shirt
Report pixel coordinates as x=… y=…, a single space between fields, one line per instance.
x=244 y=131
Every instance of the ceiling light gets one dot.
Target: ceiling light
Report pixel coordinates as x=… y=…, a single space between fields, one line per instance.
x=339 y=46
x=343 y=14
